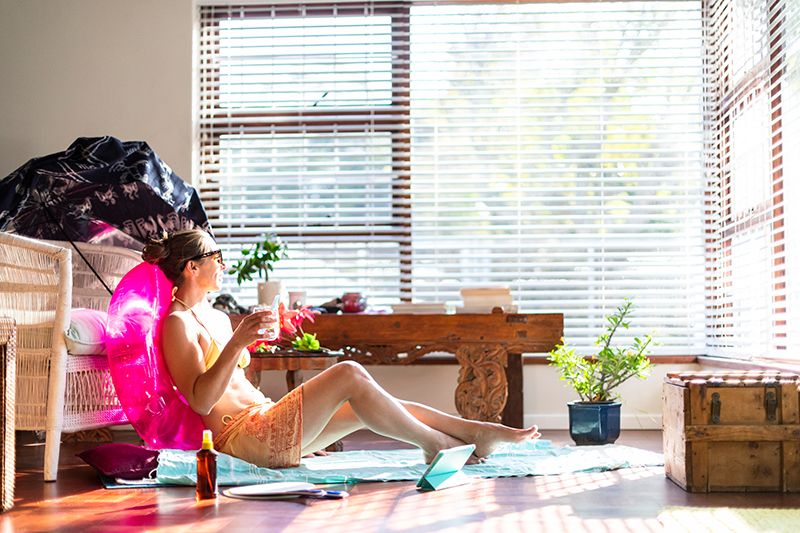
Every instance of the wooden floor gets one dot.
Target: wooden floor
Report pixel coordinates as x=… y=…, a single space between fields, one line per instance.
x=623 y=500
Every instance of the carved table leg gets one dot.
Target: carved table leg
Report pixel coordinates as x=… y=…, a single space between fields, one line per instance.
x=513 y=412
x=294 y=378
x=482 y=386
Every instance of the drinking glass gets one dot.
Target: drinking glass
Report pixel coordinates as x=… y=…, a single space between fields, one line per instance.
x=273 y=331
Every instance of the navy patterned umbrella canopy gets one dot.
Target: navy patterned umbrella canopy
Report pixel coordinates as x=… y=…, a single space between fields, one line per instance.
x=95 y=189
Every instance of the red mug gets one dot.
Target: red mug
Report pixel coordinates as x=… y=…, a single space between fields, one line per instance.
x=353 y=302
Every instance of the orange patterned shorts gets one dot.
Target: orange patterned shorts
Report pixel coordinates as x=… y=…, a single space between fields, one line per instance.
x=267 y=434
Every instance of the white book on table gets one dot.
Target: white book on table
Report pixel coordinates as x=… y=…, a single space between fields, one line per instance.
x=472 y=301
x=484 y=309
x=421 y=308
x=483 y=292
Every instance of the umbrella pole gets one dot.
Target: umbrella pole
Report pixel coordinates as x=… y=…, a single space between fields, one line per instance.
x=64 y=233
x=90 y=266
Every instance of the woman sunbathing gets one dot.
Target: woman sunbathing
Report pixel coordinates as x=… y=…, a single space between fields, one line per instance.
x=205 y=358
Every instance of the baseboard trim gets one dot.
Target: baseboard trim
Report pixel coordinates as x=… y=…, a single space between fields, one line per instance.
x=561 y=421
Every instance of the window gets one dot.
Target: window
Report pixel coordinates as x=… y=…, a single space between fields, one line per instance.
x=790 y=133
x=407 y=150
x=753 y=301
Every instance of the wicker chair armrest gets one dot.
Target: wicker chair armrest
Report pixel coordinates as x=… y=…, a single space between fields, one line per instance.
x=7 y=330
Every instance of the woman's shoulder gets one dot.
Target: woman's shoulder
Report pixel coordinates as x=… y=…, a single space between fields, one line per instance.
x=178 y=318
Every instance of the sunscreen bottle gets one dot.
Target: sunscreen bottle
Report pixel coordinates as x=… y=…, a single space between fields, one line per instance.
x=207 y=469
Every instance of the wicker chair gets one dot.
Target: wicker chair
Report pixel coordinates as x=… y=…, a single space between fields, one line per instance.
x=39 y=283
x=8 y=384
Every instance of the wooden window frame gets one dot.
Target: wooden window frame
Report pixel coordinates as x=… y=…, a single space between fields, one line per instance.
x=381 y=118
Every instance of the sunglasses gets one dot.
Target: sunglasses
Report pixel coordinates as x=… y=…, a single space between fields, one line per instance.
x=218 y=259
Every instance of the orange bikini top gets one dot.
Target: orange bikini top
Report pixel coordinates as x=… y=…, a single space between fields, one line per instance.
x=213 y=352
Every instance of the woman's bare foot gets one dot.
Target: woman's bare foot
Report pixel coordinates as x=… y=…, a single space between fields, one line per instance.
x=488 y=436
x=443 y=442
x=318 y=453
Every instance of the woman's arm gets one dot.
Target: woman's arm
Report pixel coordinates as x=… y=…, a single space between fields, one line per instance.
x=184 y=357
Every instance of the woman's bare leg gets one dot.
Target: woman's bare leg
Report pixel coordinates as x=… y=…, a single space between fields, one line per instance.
x=342 y=423
x=486 y=436
x=327 y=392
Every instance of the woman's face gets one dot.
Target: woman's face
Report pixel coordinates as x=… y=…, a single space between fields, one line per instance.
x=212 y=267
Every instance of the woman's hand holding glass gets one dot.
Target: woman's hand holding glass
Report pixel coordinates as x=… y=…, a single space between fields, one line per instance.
x=271 y=328
x=259 y=325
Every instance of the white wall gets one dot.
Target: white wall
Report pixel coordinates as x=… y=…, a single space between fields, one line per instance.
x=85 y=68
x=72 y=68
x=544 y=395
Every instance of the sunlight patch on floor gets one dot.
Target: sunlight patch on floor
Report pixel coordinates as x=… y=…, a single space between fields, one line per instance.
x=550 y=487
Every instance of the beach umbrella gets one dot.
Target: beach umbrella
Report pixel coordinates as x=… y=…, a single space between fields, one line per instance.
x=96 y=187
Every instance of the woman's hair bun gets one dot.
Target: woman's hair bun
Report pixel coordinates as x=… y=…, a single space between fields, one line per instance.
x=156 y=250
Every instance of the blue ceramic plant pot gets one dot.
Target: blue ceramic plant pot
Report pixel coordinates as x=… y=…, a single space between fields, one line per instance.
x=592 y=423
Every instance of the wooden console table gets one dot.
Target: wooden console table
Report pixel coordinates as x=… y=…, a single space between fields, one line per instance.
x=488 y=348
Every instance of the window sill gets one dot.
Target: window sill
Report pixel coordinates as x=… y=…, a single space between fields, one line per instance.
x=739 y=364
x=704 y=360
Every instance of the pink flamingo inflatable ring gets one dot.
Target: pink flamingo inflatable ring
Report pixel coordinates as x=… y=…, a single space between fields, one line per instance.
x=154 y=406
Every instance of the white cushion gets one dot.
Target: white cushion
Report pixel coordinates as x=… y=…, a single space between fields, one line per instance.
x=87 y=332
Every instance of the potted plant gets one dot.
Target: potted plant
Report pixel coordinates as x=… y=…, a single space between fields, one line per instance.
x=595 y=418
x=258 y=261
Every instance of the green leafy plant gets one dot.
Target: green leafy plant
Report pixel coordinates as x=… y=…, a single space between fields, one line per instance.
x=595 y=378
x=259 y=259
x=307 y=342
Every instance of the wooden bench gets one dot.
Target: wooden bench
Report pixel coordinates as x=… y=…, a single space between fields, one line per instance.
x=488 y=348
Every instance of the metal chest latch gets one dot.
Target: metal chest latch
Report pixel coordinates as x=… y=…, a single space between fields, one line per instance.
x=771 y=403
x=715 y=407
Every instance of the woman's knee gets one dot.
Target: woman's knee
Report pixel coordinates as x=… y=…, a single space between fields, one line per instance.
x=351 y=372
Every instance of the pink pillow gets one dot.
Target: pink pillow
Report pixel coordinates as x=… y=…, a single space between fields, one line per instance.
x=87 y=332
x=120 y=460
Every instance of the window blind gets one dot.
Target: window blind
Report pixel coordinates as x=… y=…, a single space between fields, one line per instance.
x=752 y=307
x=408 y=149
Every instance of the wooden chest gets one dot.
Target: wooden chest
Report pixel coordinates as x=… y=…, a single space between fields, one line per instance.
x=732 y=431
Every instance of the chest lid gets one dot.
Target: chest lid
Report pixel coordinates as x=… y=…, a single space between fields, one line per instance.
x=748 y=378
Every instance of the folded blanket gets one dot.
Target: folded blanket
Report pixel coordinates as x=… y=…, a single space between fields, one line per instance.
x=532 y=458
